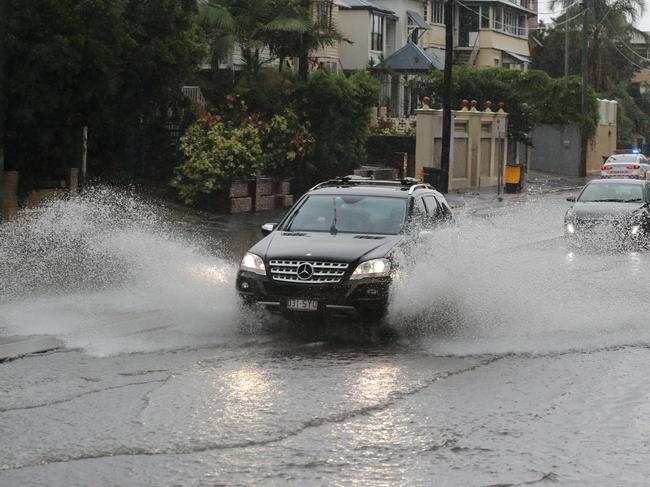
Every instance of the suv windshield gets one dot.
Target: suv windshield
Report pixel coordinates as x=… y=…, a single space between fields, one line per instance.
x=349 y=214
x=625 y=193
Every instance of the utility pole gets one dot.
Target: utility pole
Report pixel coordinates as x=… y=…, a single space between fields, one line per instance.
x=585 y=83
x=446 y=96
x=567 y=26
x=2 y=90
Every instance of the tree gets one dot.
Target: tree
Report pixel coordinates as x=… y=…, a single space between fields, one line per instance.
x=611 y=29
x=337 y=109
x=288 y=28
x=531 y=97
x=112 y=65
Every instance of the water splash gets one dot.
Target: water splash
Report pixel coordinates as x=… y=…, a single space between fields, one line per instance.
x=108 y=272
x=505 y=281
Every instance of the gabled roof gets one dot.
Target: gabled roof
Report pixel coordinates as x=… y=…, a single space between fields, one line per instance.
x=412 y=57
x=364 y=5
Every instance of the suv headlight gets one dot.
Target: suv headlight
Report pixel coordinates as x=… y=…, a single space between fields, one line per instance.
x=253 y=263
x=372 y=268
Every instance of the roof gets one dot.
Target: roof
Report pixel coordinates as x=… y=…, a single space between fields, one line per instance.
x=418 y=20
x=518 y=57
x=364 y=5
x=508 y=3
x=412 y=57
x=618 y=181
x=370 y=187
x=385 y=191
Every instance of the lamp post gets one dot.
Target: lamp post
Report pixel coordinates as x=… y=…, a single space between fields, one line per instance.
x=446 y=96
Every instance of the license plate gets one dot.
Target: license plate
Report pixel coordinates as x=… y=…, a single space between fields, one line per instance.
x=302 y=305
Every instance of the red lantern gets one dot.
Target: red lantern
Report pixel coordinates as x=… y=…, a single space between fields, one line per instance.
x=474 y=103
x=487 y=105
x=426 y=101
x=465 y=103
x=501 y=105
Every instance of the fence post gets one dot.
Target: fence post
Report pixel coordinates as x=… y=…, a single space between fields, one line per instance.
x=8 y=195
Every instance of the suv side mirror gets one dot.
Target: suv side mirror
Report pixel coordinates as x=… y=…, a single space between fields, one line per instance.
x=268 y=228
x=572 y=199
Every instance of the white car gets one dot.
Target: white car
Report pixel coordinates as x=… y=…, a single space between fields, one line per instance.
x=629 y=166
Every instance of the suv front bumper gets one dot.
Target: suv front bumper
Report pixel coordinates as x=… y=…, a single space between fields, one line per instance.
x=364 y=297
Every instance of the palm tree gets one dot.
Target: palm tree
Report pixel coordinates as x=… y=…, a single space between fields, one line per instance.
x=288 y=28
x=611 y=27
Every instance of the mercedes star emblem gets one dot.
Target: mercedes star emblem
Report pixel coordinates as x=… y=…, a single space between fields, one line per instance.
x=305 y=271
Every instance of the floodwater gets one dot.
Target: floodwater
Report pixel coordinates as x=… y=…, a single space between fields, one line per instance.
x=516 y=360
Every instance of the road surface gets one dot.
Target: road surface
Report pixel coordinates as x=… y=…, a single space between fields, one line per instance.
x=516 y=362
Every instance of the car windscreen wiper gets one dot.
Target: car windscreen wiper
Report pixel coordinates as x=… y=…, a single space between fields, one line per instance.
x=633 y=200
x=609 y=200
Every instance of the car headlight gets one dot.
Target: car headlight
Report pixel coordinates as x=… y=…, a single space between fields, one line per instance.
x=570 y=228
x=372 y=268
x=635 y=229
x=253 y=263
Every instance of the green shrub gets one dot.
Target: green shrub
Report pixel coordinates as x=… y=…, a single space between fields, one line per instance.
x=219 y=151
x=216 y=155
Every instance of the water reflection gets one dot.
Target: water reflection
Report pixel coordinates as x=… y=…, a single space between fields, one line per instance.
x=375 y=384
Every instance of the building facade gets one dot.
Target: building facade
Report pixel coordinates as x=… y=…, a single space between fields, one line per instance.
x=487 y=33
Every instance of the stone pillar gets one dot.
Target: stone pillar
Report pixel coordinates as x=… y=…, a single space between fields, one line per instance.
x=424 y=139
x=8 y=195
x=474 y=140
x=501 y=120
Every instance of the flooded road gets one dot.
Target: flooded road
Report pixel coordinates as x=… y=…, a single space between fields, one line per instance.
x=517 y=361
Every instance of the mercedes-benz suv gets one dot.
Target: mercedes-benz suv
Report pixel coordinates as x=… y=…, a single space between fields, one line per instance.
x=332 y=253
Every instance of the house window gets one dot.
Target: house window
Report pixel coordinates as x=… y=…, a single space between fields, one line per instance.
x=438 y=12
x=324 y=13
x=510 y=22
x=522 y=25
x=377 y=33
x=485 y=17
x=497 y=20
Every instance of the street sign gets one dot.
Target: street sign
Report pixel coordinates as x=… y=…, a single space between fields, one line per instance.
x=500 y=127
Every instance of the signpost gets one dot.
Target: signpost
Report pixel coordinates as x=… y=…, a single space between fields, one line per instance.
x=500 y=130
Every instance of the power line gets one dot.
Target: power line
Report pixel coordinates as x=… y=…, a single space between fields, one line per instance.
x=627 y=46
x=630 y=61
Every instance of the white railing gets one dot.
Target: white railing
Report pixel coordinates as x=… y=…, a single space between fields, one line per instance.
x=195 y=94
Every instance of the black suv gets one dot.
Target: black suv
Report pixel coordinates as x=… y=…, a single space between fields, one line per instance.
x=331 y=253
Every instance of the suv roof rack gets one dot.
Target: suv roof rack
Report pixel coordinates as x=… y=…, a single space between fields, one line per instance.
x=353 y=180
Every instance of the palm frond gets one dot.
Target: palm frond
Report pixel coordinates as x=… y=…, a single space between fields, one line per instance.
x=215 y=17
x=287 y=24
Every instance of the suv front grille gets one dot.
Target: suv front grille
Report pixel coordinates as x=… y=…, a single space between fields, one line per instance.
x=309 y=272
